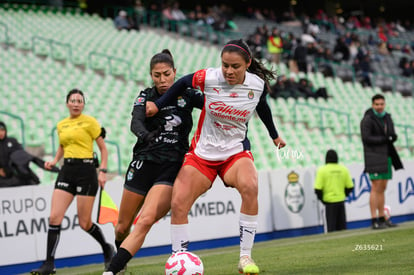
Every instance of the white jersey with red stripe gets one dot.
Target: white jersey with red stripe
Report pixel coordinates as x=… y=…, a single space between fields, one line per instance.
x=222 y=127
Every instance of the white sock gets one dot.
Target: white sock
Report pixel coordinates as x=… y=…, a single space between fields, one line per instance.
x=179 y=237
x=248 y=225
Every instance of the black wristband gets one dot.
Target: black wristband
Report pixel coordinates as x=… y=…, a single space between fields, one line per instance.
x=103 y=170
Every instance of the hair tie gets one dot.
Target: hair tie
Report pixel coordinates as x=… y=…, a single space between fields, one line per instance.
x=248 y=54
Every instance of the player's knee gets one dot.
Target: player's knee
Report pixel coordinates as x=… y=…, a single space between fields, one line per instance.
x=379 y=189
x=85 y=225
x=55 y=219
x=248 y=189
x=175 y=205
x=178 y=208
x=146 y=221
x=121 y=230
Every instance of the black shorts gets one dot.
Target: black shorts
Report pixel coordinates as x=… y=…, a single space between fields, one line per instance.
x=143 y=174
x=78 y=179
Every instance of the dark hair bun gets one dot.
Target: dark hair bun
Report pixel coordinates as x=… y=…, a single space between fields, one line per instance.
x=167 y=51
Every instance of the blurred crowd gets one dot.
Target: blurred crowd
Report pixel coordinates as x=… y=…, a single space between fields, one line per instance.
x=355 y=41
x=359 y=41
x=169 y=13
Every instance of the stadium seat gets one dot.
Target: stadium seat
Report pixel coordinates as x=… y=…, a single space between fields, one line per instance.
x=110 y=99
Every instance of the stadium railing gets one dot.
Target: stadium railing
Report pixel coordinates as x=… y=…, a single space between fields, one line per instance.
x=321 y=111
x=118 y=153
x=393 y=79
x=406 y=128
x=6 y=40
x=52 y=47
x=109 y=61
x=335 y=67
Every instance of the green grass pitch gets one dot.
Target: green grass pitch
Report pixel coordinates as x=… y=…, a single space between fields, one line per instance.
x=356 y=251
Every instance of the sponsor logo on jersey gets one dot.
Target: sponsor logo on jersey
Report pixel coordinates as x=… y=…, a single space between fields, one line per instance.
x=139 y=101
x=234 y=95
x=63 y=184
x=223 y=108
x=250 y=94
x=172 y=121
x=223 y=126
x=181 y=102
x=130 y=174
x=217 y=90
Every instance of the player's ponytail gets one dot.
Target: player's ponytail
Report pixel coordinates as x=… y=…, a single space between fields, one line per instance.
x=256 y=67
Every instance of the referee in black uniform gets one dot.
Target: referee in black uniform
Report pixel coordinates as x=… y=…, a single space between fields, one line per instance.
x=77 y=177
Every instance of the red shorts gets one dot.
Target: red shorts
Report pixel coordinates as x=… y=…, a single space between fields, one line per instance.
x=213 y=168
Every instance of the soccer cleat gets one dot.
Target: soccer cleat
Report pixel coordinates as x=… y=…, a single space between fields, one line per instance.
x=109 y=252
x=46 y=268
x=247 y=266
x=122 y=271
x=108 y=273
x=389 y=223
x=379 y=225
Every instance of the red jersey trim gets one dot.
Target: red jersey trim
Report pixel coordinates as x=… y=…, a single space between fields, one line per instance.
x=199 y=79
x=197 y=133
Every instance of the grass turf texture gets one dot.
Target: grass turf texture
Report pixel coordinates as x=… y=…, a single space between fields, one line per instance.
x=357 y=251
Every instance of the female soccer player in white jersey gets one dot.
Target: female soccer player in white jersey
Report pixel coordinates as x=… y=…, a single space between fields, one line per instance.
x=220 y=145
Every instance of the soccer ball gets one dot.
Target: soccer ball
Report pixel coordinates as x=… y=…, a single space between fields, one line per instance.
x=387 y=212
x=184 y=263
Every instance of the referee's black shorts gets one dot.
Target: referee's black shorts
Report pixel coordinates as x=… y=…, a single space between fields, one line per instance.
x=78 y=178
x=143 y=174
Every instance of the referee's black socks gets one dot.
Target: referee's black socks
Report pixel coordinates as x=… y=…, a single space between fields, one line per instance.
x=53 y=235
x=96 y=232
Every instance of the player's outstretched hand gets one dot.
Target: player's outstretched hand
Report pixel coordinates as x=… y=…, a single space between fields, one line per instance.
x=49 y=165
x=151 y=109
x=279 y=142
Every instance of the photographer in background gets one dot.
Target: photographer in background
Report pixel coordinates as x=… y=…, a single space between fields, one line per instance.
x=8 y=145
x=15 y=161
